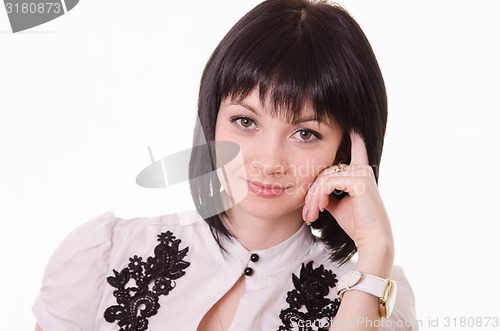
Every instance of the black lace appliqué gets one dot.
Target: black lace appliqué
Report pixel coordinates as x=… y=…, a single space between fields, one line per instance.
x=310 y=309
x=154 y=277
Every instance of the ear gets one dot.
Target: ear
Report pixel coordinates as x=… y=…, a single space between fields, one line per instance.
x=344 y=151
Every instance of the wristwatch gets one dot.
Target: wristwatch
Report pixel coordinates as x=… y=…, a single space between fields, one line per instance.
x=384 y=289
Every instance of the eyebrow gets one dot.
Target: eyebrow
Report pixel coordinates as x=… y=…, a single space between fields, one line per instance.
x=245 y=105
x=293 y=122
x=306 y=119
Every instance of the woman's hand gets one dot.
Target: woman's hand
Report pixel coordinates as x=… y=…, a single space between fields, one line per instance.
x=361 y=214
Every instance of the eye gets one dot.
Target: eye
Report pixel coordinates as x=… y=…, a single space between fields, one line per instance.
x=243 y=122
x=304 y=135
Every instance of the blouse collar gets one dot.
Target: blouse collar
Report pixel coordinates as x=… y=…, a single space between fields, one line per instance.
x=265 y=262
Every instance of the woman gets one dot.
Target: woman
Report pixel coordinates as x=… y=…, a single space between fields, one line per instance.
x=296 y=87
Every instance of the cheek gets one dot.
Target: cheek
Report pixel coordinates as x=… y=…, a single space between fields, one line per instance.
x=307 y=169
x=310 y=167
x=305 y=172
x=225 y=132
x=223 y=129
x=245 y=150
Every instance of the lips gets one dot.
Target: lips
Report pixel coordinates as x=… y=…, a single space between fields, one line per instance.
x=265 y=190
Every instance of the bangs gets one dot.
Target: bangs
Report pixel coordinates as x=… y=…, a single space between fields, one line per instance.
x=291 y=66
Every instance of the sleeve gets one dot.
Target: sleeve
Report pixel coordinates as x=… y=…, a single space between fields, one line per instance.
x=74 y=278
x=403 y=316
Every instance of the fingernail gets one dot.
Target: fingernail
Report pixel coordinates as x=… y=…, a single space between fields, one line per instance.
x=306 y=218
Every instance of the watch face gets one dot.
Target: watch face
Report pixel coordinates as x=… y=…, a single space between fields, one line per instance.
x=391 y=298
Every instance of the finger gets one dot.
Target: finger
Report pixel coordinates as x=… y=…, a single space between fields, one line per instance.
x=317 y=201
x=316 y=198
x=319 y=195
x=359 y=155
x=359 y=170
x=310 y=212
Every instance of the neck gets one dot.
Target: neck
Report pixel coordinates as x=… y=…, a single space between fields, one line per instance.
x=257 y=233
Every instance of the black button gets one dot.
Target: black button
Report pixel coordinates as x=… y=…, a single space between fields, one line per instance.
x=254 y=257
x=248 y=271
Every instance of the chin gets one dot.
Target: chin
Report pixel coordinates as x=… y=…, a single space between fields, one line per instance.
x=270 y=208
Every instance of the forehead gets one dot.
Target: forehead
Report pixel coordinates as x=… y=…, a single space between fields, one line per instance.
x=259 y=103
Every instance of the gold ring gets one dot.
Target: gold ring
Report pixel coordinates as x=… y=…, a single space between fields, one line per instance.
x=340 y=167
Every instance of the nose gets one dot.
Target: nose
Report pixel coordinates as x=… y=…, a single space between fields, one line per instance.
x=270 y=157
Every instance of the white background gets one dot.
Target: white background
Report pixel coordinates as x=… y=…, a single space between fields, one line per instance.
x=83 y=96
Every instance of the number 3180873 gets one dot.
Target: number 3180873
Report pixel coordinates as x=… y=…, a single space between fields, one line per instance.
x=471 y=322
x=33 y=8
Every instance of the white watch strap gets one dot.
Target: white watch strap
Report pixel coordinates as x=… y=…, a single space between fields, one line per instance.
x=355 y=280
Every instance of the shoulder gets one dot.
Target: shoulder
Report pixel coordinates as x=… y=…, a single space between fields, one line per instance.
x=106 y=229
x=75 y=276
x=106 y=236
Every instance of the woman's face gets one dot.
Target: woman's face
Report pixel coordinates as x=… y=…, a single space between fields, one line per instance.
x=280 y=159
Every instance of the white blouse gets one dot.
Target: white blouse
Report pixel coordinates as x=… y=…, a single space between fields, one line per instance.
x=165 y=273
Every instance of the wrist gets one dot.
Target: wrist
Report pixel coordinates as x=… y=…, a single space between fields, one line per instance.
x=376 y=259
